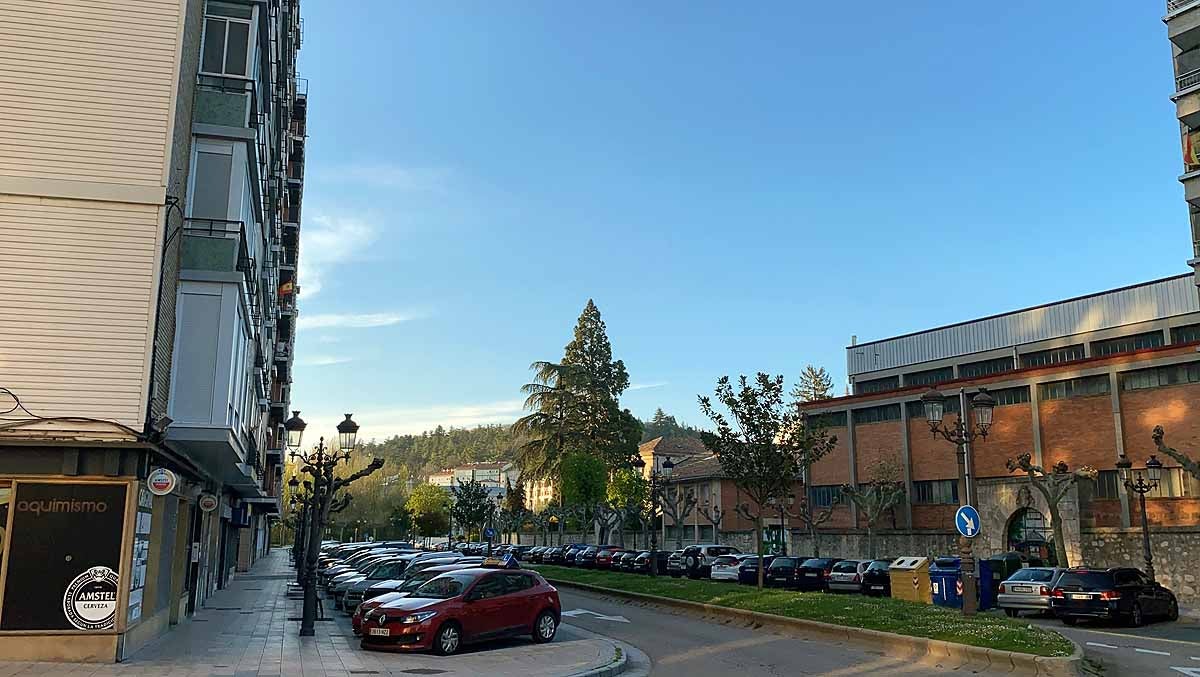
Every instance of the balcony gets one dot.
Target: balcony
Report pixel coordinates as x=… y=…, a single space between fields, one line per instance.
x=219 y=245
x=224 y=100
x=1183 y=23
x=1191 y=186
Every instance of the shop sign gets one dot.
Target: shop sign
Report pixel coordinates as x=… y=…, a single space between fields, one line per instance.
x=162 y=481
x=208 y=502
x=64 y=556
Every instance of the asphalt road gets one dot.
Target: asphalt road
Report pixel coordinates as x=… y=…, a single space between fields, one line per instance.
x=1159 y=648
x=684 y=644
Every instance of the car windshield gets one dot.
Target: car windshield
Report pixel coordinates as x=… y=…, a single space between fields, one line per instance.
x=879 y=566
x=1086 y=579
x=444 y=586
x=1036 y=575
x=815 y=563
x=417 y=580
x=724 y=550
x=725 y=560
x=781 y=562
x=846 y=567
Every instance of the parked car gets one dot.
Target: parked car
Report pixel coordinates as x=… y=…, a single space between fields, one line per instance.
x=571 y=554
x=535 y=554
x=586 y=558
x=876 y=580
x=783 y=572
x=624 y=561
x=605 y=557
x=347 y=594
x=1118 y=593
x=813 y=573
x=1028 y=590
x=698 y=559
x=641 y=563
x=846 y=575
x=358 y=591
x=725 y=567
x=554 y=555
x=403 y=588
x=461 y=607
x=748 y=570
x=675 y=564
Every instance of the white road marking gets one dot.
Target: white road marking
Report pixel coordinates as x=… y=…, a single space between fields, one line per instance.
x=580 y=612
x=1103 y=646
x=1195 y=658
x=1156 y=653
x=1190 y=672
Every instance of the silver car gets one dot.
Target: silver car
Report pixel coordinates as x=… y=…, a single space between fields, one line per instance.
x=1028 y=590
x=846 y=575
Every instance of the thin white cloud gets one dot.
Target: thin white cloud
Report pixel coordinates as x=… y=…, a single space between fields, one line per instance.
x=329 y=339
x=323 y=360
x=352 y=321
x=327 y=241
x=381 y=424
x=647 y=386
x=392 y=177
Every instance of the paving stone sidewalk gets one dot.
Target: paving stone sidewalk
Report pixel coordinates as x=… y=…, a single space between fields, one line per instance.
x=245 y=631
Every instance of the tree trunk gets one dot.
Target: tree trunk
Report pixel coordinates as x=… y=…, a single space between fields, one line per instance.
x=758 y=542
x=1060 y=543
x=812 y=535
x=871 y=540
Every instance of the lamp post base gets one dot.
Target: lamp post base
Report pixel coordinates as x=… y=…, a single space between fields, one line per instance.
x=966 y=552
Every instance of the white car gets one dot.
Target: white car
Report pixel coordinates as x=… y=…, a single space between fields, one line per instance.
x=725 y=567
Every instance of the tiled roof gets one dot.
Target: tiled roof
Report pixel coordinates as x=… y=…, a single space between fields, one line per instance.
x=698 y=467
x=673 y=446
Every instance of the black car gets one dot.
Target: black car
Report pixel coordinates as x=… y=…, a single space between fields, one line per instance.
x=783 y=572
x=813 y=573
x=535 y=554
x=641 y=563
x=553 y=555
x=571 y=554
x=876 y=581
x=1118 y=593
x=624 y=561
x=586 y=558
x=748 y=571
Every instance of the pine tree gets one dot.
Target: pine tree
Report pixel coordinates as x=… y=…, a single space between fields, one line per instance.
x=814 y=384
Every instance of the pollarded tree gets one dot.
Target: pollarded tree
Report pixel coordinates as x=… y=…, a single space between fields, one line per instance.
x=1181 y=458
x=755 y=444
x=677 y=503
x=1053 y=487
x=884 y=491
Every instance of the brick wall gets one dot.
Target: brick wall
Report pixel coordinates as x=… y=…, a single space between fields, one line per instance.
x=933 y=516
x=874 y=442
x=835 y=467
x=1167 y=511
x=1173 y=407
x=932 y=457
x=1080 y=431
x=1010 y=436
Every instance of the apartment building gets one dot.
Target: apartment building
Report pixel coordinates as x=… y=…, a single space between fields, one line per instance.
x=1183 y=30
x=150 y=188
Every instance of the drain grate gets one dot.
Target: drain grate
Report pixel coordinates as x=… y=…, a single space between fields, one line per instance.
x=246 y=613
x=227 y=608
x=364 y=672
x=423 y=671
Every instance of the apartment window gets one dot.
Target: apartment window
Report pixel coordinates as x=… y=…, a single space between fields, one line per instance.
x=825 y=496
x=876 y=385
x=1076 y=387
x=935 y=492
x=1108 y=484
x=1008 y=396
x=887 y=412
x=915 y=409
x=929 y=377
x=1127 y=344
x=226 y=46
x=985 y=368
x=210 y=194
x=1161 y=376
x=1186 y=334
x=832 y=419
x=1055 y=356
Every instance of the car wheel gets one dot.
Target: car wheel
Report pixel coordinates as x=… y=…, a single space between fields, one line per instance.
x=448 y=639
x=1173 y=611
x=1067 y=620
x=544 y=628
x=1135 y=617
x=1011 y=613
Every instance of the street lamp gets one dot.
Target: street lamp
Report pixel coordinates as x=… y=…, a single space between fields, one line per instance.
x=961 y=434
x=295 y=431
x=347 y=433
x=1141 y=486
x=658 y=480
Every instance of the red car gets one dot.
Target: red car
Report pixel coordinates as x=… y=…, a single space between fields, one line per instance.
x=411 y=582
x=461 y=607
x=605 y=556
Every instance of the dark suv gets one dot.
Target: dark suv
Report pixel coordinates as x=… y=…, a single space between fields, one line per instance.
x=1118 y=593
x=698 y=559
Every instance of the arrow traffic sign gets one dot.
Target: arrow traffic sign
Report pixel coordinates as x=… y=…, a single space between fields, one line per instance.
x=966 y=520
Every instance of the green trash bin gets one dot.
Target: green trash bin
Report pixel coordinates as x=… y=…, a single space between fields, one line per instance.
x=910 y=579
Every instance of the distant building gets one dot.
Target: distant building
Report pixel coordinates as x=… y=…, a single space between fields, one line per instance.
x=1183 y=30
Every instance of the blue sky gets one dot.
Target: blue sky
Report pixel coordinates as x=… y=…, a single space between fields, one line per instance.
x=739 y=186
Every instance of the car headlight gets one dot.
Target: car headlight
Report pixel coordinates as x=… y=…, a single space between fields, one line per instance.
x=419 y=617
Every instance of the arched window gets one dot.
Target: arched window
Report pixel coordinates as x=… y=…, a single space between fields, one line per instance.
x=1029 y=534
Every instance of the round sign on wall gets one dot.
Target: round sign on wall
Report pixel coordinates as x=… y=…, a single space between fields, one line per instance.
x=208 y=502
x=90 y=602
x=162 y=481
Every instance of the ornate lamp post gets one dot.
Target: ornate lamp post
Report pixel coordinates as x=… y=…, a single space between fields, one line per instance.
x=961 y=434
x=658 y=482
x=1142 y=485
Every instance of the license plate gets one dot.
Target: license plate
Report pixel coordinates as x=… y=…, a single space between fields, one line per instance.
x=877 y=587
x=1081 y=596
x=1022 y=588
x=811 y=575
x=381 y=632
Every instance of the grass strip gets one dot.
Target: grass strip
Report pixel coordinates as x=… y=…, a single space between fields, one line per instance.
x=855 y=611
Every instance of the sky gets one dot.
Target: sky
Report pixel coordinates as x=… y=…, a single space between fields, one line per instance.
x=740 y=187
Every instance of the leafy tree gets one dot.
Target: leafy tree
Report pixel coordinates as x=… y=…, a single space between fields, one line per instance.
x=1053 y=487
x=814 y=384
x=429 y=506
x=400 y=521
x=472 y=505
x=584 y=485
x=759 y=443
x=552 y=428
x=884 y=491
x=628 y=493
x=514 y=497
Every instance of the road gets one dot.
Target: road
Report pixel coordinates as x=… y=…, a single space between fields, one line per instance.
x=1155 y=649
x=681 y=644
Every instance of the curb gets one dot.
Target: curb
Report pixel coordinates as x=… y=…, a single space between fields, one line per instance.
x=614 y=668
x=931 y=651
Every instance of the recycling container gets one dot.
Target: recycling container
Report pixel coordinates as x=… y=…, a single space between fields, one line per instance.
x=910 y=579
x=944 y=577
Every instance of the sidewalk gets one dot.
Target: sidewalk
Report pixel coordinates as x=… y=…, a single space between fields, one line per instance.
x=245 y=631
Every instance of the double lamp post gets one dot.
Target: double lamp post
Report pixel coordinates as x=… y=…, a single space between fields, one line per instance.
x=1142 y=485
x=658 y=481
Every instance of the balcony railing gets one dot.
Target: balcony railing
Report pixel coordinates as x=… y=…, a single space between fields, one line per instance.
x=1187 y=80
x=1176 y=5
x=226 y=229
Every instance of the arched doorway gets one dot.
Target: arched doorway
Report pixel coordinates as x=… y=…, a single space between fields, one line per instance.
x=1029 y=533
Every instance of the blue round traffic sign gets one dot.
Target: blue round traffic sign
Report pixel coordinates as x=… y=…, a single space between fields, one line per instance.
x=966 y=520
x=489 y=533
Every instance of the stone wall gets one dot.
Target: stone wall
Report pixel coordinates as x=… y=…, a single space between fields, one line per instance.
x=853 y=544
x=1176 y=551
